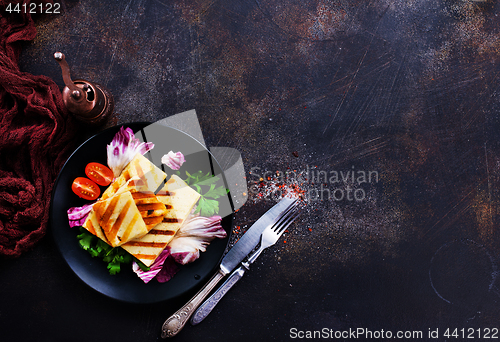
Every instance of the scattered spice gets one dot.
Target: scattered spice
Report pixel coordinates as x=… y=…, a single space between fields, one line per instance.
x=277 y=188
x=295 y=154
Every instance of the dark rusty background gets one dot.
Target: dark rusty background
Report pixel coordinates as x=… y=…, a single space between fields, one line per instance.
x=409 y=89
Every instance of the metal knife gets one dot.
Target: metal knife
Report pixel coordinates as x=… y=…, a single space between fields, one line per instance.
x=202 y=312
x=240 y=250
x=207 y=307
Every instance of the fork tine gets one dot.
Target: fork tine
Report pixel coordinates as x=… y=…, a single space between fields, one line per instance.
x=289 y=221
x=291 y=215
x=290 y=210
x=283 y=214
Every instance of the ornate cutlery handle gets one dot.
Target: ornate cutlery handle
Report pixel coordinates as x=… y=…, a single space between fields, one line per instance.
x=211 y=302
x=178 y=320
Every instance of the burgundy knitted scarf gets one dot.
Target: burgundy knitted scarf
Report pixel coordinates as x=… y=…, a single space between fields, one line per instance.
x=35 y=138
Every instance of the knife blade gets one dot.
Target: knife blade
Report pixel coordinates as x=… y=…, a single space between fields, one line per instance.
x=252 y=236
x=240 y=250
x=204 y=309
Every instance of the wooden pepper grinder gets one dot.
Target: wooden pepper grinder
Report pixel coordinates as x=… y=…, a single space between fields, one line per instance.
x=88 y=102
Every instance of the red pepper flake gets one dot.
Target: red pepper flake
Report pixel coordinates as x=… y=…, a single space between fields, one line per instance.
x=310 y=229
x=284 y=241
x=295 y=154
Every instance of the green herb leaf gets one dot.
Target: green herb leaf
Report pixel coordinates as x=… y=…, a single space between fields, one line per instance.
x=207 y=207
x=216 y=192
x=211 y=180
x=200 y=178
x=198 y=188
x=141 y=265
x=93 y=252
x=208 y=204
x=86 y=240
x=114 y=268
x=114 y=257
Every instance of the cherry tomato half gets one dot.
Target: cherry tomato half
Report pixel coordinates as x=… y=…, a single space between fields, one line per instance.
x=85 y=188
x=99 y=173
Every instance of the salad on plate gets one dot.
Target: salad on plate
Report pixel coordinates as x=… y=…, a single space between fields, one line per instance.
x=144 y=218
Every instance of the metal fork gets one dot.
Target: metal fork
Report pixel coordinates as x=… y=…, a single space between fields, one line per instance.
x=269 y=237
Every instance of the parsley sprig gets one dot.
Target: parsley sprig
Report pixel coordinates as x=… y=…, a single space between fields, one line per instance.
x=208 y=204
x=113 y=256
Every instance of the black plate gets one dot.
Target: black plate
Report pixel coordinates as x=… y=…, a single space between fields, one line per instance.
x=126 y=286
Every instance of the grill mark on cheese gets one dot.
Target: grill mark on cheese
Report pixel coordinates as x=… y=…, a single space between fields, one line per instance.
x=161 y=232
x=150 y=206
x=151 y=209
x=105 y=214
x=165 y=193
x=145 y=256
x=127 y=232
x=138 y=182
x=98 y=207
x=140 y=195
x=171 y=220
x=146 y=244
x=119 y=220
x=140 y=171
x=115 y=186
x=126 y=175
x=90 y=227
x=152 y=221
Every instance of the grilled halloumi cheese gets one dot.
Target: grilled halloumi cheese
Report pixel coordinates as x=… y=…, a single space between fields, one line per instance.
x=147 y=177
x=93 y=226
x=118 y=218
x=132 y=191
x=151 y=209
x=179 y=200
